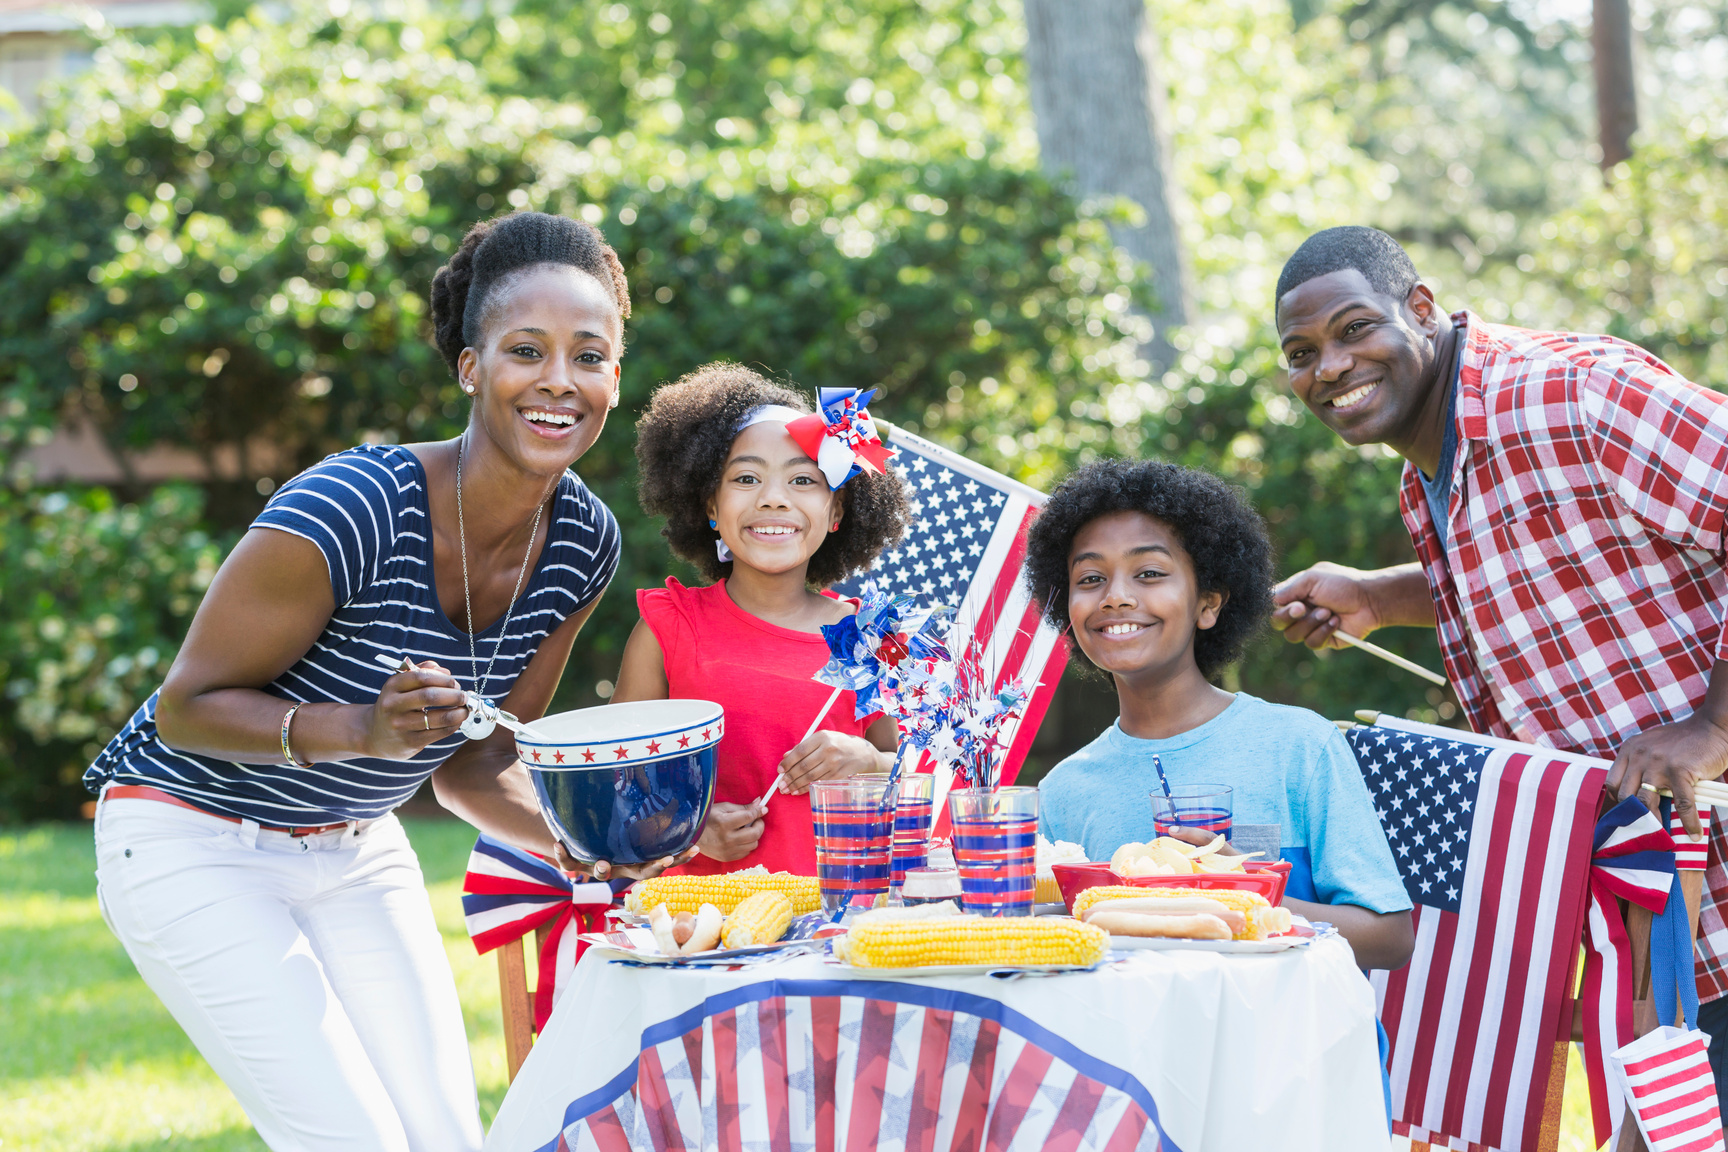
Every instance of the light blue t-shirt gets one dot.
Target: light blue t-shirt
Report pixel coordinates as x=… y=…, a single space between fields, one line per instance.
x=1285 y=766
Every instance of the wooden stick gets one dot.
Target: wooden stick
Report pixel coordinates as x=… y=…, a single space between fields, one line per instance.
x=1390 y=657
x=1708 y=791
x=811 y=731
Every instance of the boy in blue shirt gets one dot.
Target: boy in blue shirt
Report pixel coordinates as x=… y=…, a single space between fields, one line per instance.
x=1162 y=574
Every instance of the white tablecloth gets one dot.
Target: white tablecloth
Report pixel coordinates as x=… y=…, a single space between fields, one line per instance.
x=1215 y=1052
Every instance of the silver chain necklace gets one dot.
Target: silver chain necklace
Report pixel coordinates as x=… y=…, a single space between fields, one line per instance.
x=480 y=681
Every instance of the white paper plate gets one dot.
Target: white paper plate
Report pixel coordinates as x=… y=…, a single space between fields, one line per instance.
x=961 y=969
x=1237 y=947
x=633 y=948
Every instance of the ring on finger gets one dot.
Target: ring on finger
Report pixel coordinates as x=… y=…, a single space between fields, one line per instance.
x=427 y=716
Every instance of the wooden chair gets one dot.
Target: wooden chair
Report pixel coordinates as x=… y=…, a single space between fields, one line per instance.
x=516 y=1000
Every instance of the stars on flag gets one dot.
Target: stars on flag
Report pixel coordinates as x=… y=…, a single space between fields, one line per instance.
x=955 y=516
x=1424 y=791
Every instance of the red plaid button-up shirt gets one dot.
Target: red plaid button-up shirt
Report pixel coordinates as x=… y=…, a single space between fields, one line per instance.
x=1582 y=592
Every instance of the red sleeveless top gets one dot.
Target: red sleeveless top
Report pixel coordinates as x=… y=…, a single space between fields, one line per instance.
x=760 y=673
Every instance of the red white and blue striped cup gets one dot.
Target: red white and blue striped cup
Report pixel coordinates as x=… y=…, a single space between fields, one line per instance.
x=854 y=831
x=995 y=848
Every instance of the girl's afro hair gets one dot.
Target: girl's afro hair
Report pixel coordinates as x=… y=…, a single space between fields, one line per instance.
x=681 y=448
x=1225 y=538
x=493 y=250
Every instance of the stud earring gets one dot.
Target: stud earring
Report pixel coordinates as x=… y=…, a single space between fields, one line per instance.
x=834 y=527
x=720 y=548
x=468 y=388
x=612 y=403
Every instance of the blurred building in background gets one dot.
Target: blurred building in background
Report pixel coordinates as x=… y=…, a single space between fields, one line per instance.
x=40 y=41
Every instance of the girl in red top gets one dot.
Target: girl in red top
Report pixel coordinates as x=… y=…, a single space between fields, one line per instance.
x=756 y=513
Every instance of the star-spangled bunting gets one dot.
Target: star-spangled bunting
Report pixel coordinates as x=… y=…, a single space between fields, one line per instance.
x=965 y=549
x=818 y=1067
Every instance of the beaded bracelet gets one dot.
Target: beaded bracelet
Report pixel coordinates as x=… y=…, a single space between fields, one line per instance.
x=287 y=752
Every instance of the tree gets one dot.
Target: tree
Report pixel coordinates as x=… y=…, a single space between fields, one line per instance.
x=1616 y=96
x=1094 y=68
x=231 y=233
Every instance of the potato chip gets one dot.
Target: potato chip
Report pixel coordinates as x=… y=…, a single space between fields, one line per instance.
x=1166 y=853
x=1120 y=857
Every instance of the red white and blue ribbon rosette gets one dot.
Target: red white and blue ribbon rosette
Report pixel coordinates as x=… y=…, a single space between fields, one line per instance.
x=840 y=436
x=508 y=893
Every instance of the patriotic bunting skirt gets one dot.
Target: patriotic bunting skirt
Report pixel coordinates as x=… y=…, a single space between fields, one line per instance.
x=1190 y=1052
x=818 y=1071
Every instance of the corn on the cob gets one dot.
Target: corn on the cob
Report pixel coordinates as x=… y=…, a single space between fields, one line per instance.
x=1263 y=920
x=936 y=940
x=759 y=919
x=804 y=891
x=686 y=893
x=689 y=893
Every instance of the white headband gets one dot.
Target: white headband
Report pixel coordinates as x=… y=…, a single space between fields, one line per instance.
x=763 y=413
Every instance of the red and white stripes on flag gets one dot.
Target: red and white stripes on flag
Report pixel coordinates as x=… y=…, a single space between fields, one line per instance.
x=1494 y=840
x=965 y=548
x=1666 y=1075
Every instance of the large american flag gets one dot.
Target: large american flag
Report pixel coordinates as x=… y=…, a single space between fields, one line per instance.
x=1493 y=840
x=965 y=549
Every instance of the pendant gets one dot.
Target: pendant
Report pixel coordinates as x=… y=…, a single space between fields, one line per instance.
x=482 y=717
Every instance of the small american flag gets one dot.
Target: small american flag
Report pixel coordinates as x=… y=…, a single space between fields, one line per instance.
x=1493 y=840
x=965 y=549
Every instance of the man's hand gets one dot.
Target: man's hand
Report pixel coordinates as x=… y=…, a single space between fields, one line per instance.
x=732 y=831
x=1315 y=604
x=1675 y=757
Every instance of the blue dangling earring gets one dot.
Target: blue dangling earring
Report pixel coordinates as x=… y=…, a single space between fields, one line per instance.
x=720 y=548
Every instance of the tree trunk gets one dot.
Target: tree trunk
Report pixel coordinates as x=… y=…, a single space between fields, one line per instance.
x=1616 y=99
x=1100 y=107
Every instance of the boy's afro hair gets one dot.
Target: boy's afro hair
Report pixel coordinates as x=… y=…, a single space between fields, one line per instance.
x=1225 y=538
x=681 y=448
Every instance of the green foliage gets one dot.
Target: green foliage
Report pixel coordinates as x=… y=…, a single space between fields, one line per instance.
x=225 y=238
x=98 y=595
x=221 y=238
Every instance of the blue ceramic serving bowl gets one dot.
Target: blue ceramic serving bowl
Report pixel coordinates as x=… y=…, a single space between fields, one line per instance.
x=626 y=783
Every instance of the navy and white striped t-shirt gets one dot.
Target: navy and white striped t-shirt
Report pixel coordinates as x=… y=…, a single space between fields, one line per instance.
x=366 y=510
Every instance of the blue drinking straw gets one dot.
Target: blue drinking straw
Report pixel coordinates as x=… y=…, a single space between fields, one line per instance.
x=1163 y=780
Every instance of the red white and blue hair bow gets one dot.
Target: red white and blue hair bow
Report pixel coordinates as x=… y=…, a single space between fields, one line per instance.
x=1634 y=859
x=839 y=436
x=508 y=893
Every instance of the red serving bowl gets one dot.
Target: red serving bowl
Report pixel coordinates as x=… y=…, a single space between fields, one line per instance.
x=1268 y=879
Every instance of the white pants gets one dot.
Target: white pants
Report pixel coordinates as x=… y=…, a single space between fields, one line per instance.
x=308 y=972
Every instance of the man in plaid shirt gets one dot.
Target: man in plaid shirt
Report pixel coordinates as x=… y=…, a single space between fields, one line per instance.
x=1568 y=498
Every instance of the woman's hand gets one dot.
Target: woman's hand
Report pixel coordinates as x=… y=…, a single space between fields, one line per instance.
x=414 y=708
x=829 y=756
x=603 y=870
x=732 y=831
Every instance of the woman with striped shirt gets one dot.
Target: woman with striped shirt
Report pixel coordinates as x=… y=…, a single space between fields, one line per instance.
x=247 y=854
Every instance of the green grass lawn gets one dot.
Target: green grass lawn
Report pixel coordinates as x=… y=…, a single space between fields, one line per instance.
x=90 y=1060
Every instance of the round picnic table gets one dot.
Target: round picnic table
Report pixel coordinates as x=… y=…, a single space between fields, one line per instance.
x=1188 y=1051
